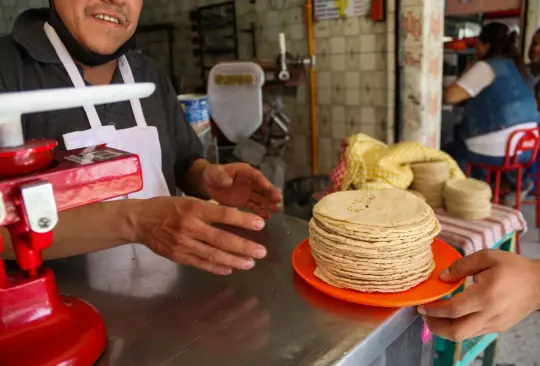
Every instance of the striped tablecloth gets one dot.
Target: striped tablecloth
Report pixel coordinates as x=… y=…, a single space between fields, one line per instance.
x=473 y=236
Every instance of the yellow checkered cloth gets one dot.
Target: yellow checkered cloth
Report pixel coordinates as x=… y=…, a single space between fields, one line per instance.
x=371 y=164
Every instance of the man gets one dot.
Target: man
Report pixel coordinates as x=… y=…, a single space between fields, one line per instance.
x=89 y=42
x=506 y=290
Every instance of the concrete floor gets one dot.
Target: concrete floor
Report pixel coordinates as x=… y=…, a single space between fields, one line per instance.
x=521 y=345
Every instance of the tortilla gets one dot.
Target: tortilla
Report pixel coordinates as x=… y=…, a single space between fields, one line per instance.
x=385 y=208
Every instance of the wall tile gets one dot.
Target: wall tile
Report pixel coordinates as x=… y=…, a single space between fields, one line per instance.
x=338 y=62
x=367 y=43
x=324 y=79
x=324 y=119
x=337 y=45
x=338 y=87
x=368 y=115
x=368 y=62
x=324 y=96
x=352 y=26
x=366 y=26
x=352 y=80
x=352 y=97
x=338 y=130
x=339 y=114
x=322 y=30
x=337 y=27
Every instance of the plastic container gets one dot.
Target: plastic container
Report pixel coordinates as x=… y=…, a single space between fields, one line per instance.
x=235 y=98
x=196 y=111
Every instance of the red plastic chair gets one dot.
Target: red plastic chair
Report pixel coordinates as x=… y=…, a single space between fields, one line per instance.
x=527 y=140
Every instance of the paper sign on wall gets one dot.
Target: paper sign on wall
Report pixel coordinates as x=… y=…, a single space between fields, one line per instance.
x=331 y=9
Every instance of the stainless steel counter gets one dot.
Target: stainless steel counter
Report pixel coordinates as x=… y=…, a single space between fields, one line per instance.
x=158 y=313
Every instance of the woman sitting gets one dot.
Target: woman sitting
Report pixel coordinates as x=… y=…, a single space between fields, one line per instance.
x=499 y=99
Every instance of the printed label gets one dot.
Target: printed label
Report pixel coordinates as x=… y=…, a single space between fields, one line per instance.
x=89 y=156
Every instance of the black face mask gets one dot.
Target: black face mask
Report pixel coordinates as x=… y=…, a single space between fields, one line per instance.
x=79 y=52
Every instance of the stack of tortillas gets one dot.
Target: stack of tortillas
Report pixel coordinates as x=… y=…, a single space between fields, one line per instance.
x=373 y=241
x=429 y=180
x=468 y=199
x=417 y=194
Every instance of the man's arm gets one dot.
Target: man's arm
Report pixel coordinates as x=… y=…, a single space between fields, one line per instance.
x=88 y=229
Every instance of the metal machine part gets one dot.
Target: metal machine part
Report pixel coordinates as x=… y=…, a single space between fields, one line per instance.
x=286 y=60
x=35 y=184
x=284 y=74
x=40 y=206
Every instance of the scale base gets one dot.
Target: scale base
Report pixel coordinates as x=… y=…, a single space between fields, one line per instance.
x=40 y=327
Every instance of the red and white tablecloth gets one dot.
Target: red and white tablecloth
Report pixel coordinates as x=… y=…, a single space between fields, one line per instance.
x=473 y=236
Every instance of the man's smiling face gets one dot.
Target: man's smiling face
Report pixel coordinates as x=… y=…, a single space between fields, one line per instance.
x=100 y=26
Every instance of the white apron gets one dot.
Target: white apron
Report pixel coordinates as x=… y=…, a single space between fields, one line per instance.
x=130 y=269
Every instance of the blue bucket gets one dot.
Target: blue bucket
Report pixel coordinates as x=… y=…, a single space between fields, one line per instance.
x=195 y=109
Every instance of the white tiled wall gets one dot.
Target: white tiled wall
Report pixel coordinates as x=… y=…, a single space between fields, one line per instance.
x=9 y=9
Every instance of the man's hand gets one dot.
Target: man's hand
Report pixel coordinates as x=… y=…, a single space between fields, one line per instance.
x=182 y=230
x=240 y=185
x=506 y=290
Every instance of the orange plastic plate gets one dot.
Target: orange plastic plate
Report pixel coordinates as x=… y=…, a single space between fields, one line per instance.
x=431 y=290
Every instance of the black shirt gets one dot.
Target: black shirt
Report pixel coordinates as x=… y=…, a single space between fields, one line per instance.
x=28 y=61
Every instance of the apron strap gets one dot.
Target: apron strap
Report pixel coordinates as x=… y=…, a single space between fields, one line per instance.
x=136 y=107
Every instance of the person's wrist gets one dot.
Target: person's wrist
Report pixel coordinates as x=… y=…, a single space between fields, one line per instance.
x=132 y=212
x=197 y=185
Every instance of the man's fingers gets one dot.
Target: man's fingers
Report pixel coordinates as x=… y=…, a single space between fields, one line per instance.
x=213 y=253
x=194 y=261
x=257 y=209
x=460 y=305
x=468 y=266
x=264 y=201
x=217 y=214
x=241 y=249
x=264 y=187
x=457 y=330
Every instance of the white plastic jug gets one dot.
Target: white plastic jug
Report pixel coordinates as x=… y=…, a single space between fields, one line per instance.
x=237 y=109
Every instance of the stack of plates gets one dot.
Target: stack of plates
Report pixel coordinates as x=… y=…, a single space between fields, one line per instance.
x=429 y=180
x=373 y=241
x=468 y=199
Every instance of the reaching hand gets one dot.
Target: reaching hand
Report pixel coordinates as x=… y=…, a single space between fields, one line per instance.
x=506 y=289
x=240 y=185
x=181 y=229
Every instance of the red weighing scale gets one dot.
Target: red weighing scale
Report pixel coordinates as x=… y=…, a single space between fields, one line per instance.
x=38 y=326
